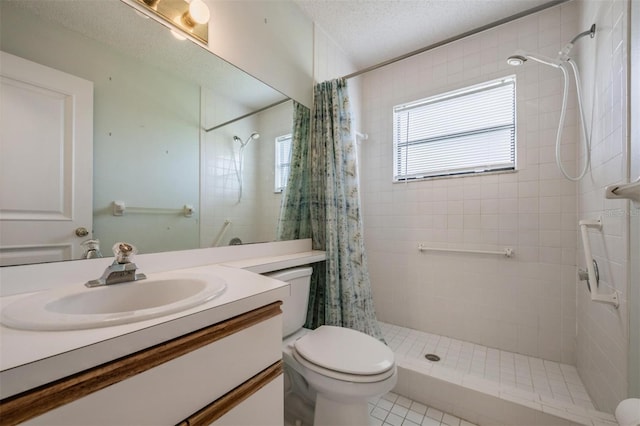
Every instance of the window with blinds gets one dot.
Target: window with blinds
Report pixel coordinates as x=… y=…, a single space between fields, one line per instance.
x=466 y=131
x=282 y=162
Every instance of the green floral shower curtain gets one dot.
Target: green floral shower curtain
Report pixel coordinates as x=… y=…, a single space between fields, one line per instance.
x=295 y=218
x=321 y=201
x=341 y=293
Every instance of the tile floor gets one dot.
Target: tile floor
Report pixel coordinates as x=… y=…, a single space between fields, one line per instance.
x=543 y=385
x=551 y=380
x=395 y=410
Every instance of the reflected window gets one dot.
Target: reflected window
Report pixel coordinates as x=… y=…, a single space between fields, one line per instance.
x=283 y=162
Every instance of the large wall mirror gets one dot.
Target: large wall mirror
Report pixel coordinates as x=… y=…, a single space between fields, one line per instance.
x=159 y=180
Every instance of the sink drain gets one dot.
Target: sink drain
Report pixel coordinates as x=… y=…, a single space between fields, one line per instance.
x=432 y=357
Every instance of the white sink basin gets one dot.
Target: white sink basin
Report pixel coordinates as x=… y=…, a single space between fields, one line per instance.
x=78 y=307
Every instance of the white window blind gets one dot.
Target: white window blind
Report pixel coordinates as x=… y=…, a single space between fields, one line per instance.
x=471 y=130
x=282 y=162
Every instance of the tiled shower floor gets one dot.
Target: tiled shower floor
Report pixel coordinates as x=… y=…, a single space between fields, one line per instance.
x=535 y=383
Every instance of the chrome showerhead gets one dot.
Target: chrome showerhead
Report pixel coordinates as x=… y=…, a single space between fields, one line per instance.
x=516 y=60
x=520 y=57
x=254 y=135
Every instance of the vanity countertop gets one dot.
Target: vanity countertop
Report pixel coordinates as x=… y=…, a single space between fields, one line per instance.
x=33 y=358
x=264 y=264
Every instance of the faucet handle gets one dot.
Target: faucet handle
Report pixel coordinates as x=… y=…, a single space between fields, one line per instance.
x=121 y=270
x=123 y=251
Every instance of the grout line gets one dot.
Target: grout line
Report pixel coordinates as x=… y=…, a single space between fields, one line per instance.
x=395 y=410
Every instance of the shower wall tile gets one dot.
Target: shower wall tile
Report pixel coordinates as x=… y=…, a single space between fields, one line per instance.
x=523 y=304
x=602 y=331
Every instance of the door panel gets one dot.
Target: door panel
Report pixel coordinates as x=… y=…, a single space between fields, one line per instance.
x=20 y=255
x=46 y=147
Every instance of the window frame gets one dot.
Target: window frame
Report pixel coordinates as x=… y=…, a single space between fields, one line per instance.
x=278 y=163
x=471 y=170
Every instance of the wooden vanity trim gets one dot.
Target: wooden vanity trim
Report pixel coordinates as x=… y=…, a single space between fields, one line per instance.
x=233 y=398
x=32 y=403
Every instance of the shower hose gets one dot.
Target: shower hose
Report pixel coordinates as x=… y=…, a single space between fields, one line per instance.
x=587 y=141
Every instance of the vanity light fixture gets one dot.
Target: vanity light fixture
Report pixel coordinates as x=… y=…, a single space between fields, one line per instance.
x=151 y=3
x=189 y=17
x=198 y=13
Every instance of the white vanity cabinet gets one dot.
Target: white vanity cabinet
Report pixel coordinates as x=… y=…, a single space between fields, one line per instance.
x=264 y=408
x=229 y=373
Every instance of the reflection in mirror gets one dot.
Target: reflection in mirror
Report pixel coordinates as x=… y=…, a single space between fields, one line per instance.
x=239 y=204
x=152 y=95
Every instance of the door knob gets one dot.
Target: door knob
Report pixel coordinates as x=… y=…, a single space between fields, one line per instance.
x=82 y=232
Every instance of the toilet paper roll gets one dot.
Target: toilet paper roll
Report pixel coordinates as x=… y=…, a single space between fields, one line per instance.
x=628 y=412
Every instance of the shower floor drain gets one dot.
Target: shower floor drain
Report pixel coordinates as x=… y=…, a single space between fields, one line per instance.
x=432 y=357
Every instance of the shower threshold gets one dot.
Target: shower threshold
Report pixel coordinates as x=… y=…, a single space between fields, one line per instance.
x=489 y=386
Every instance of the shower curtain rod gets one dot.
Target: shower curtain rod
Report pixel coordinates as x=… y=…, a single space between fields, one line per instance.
x=247 y=115
x=456 y=38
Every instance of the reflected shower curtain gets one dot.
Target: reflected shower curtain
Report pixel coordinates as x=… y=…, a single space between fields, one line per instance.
x=341 y=291
x=295 y=218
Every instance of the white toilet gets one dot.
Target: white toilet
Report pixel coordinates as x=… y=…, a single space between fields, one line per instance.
x=339 y=368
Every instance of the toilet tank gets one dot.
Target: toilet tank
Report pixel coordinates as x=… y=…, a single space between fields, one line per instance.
x=294 y=308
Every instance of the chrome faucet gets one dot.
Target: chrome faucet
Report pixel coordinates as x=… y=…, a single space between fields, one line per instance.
x=121 y=270
x=91 y=249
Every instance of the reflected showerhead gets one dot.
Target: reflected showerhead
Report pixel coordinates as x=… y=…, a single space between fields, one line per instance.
x=254 y=135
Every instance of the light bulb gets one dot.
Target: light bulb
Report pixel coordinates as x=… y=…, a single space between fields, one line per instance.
x=199 y=12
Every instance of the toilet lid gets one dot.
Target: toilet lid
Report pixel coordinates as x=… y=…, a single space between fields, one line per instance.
x=354 y=378
x=345 y=350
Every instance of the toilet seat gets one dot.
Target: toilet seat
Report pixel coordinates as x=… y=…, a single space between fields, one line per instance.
x=355 y=378
x=344 y=354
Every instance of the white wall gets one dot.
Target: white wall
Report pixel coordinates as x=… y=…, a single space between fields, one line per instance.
x=634 y=252
x=271 y=40
x=525 y=304
x=602 y=331
x=331 y=62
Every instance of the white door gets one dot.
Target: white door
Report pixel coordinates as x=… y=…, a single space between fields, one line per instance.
x=46 y=159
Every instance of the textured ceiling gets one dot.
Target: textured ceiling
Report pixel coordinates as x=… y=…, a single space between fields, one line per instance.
x=373 y=31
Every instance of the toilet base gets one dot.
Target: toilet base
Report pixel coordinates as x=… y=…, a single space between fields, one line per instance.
x=299 y=399
x=333 y=413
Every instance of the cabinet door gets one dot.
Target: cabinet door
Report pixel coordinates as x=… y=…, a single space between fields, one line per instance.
x=264 y=408
x=172 y=391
